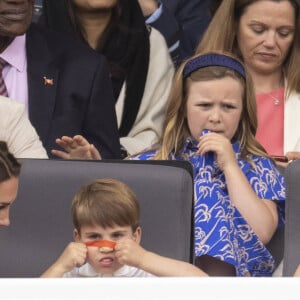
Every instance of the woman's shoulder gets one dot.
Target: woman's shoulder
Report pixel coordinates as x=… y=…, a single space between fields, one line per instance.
x=264 y=164
x=158 y=46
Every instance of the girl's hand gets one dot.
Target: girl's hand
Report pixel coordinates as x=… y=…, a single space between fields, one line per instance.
x=129 y=252
x=221 y=147
x=76 y=147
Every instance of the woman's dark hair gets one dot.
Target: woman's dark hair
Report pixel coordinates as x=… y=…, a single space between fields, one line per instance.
x=9 y=166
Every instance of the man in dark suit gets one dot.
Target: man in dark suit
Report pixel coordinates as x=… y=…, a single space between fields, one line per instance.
x=181 y=22
x=68 y=84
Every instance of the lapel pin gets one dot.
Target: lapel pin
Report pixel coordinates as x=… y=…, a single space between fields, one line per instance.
x=48 y=81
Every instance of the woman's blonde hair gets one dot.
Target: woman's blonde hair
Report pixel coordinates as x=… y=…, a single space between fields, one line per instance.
x=222 y=31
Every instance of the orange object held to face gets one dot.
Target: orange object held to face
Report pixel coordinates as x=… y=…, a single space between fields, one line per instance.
x=101 y=244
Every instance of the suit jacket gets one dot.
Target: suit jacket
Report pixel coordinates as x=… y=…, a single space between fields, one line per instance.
x=17 y=131
x=183 y=20
x=69 y=92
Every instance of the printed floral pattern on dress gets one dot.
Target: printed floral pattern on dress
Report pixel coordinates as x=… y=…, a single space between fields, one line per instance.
x=220 y=229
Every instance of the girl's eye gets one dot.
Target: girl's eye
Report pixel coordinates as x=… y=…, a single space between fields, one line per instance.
x=204 y=105
x=228 y=106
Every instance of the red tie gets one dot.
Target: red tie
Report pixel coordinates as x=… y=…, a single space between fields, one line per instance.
x=3 y=90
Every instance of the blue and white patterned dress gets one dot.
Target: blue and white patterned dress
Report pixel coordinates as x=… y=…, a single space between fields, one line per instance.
x=220 y=229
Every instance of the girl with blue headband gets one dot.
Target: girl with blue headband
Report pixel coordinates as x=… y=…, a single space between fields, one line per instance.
x=239 y=194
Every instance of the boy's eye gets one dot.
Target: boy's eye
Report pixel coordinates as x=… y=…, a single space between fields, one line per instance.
x=94 y=237
x=117 y=235
x=2 y=206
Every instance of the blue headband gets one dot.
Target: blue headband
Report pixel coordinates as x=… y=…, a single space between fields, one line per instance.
x=213 y=59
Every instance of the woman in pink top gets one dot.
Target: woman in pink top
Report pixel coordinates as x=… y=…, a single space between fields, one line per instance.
x=266 y=35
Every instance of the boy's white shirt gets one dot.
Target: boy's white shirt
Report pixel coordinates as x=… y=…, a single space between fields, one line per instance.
x=86 y=270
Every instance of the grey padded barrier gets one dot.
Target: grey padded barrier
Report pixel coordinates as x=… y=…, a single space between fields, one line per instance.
x=276 y=244
x=292 y=225
x=41 y=219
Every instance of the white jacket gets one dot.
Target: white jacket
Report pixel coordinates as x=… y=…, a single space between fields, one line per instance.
x=147 y=127
x=291 y=123
x=16 y=130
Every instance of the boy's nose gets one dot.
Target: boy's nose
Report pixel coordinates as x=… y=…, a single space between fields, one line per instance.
x=105 y=249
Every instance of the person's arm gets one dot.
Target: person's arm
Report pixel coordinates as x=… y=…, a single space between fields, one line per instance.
x=129 y=252
x=161 y=18
x=21 y=137
x=290 y=156
x=297 y=272
x=181 y=23
x=73 y=256
x=293 y=155
x=148 y=6
x=260 y=214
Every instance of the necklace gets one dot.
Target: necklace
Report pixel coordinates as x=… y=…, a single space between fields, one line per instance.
x=277 y=96
x=276 y=101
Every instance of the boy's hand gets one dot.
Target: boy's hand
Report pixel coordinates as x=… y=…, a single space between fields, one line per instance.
x=73 y=256
x=129 y=252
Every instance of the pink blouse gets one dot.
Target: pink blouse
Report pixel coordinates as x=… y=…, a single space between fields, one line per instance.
x=270 y=111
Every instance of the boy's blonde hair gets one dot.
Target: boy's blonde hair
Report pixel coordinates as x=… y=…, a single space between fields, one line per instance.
x=105 y=202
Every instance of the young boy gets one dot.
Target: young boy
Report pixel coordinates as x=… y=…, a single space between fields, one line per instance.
x=107 y=235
